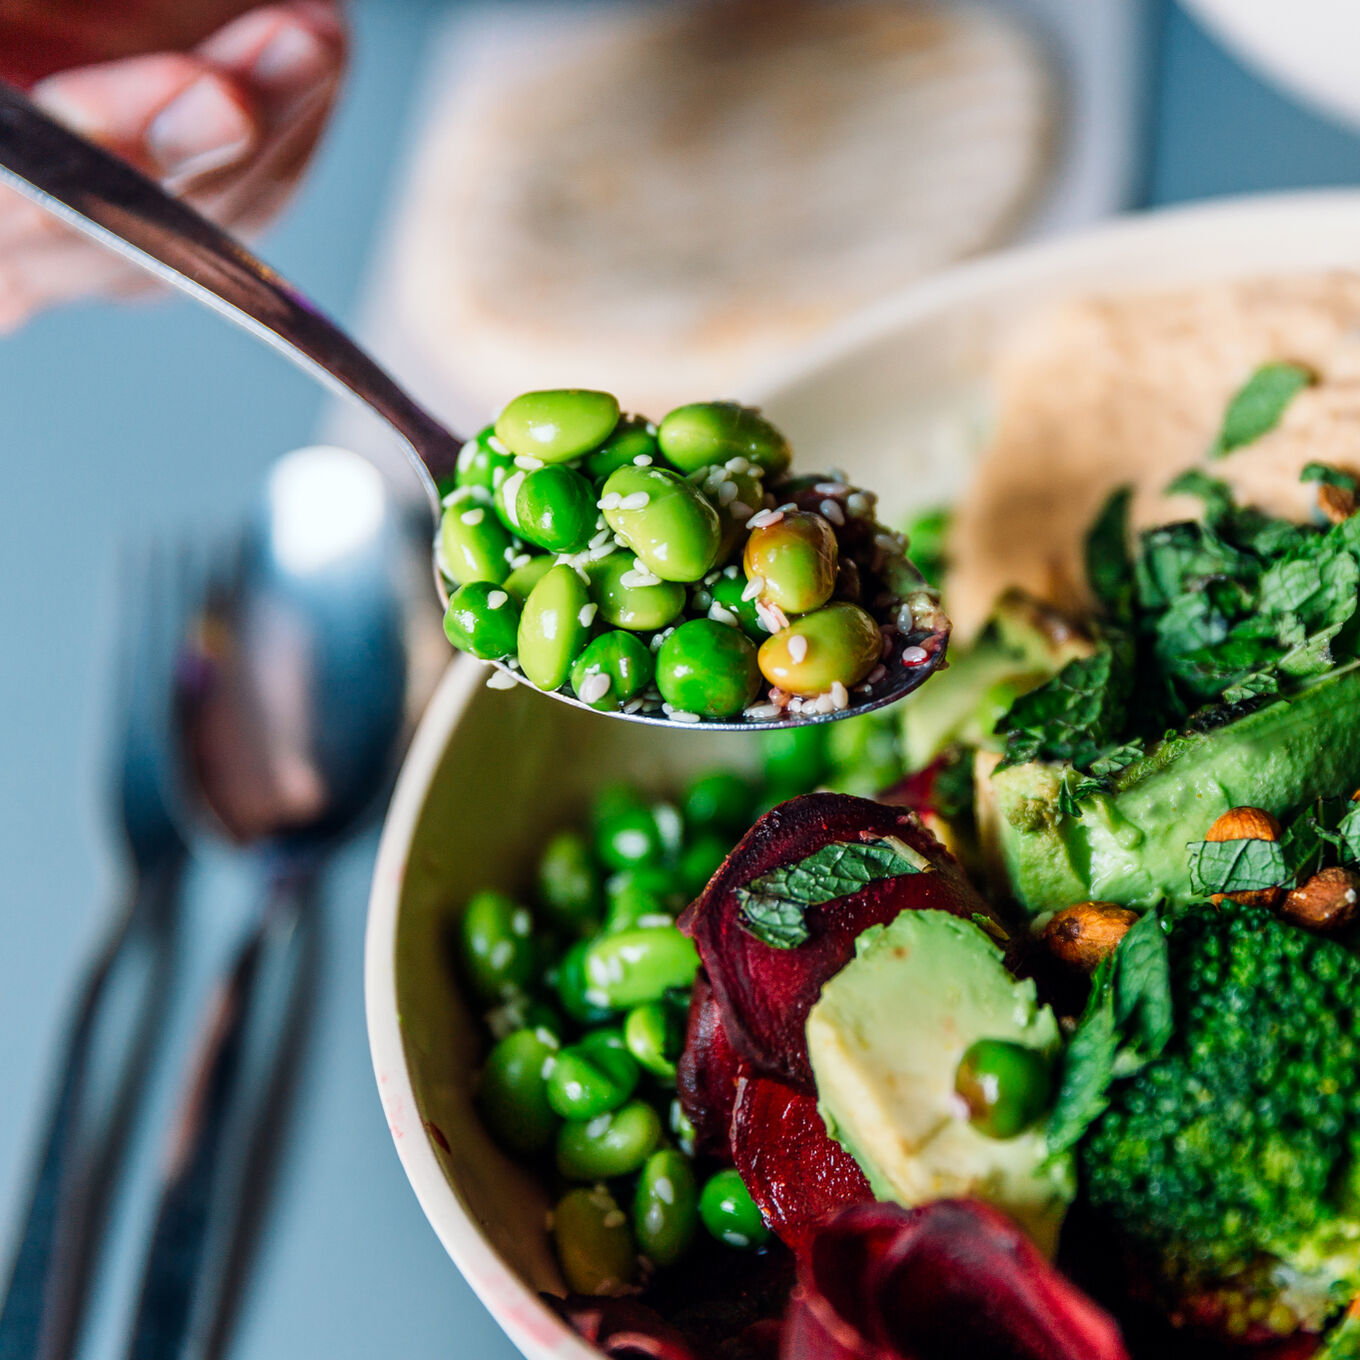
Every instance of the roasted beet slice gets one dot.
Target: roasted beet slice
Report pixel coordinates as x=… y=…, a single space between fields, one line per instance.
x=706 y=1076
x=953 y=1280
x=796 y=1172
x=623 y=1328
x=765 y=992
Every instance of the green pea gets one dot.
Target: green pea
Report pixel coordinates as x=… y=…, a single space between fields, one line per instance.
x=557 y=426
x=472 y=544
x=702 y=858
x=521 y=582
x=729 y=595
x=795 y=757
x=640 y=897
x=555 y=508
x=626 y=830
x=665 y=1207
x=795 y=561
x=719 y=801
x=595 y=1246
x=614 y=668
x=729 y=1212
x=655 y=1035
x=664 y=519
x=632 y=966
x=774 y=795
x=633 y=438
x=608 y=1145
x=512 y=1094
x=496 y=934
x=590 y=1079
x=482 y=619
x=554 y=627
x=707 y=668
x=623 y=603
x=570 y=985
x=1006 y=1086
x=837 y=644
x=483 y=461
x=568 y=881
x=714 y=431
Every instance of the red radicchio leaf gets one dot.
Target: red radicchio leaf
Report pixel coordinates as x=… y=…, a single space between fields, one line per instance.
x=765 y=993
x=952 y=1280
x=706 y=1075
x=623 y=1328
x=796 y=1172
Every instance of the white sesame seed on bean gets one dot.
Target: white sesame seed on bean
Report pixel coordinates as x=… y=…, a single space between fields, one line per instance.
x=914 y=656
x=678 y=715
x=832 y=511
x=720 y=615
x=638 y=500
x=527 y=462
x=727 y=493
x=830 y=488
x=472 y=518
x=609 y=501
x=643 y=460
x=762 y=711
x=585 y=616
x=594 y=687
x=740 y=511
x=753 y=588
x=875 y=675
x=500 y=680
x=840 y=697
x=764 y=518
x=798 y=648
x=496 y=599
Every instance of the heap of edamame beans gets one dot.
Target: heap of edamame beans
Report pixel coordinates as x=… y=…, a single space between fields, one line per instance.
x=585 y=995
x=671 y=568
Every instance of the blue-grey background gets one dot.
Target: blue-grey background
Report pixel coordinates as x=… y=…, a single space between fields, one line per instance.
x=121 y=421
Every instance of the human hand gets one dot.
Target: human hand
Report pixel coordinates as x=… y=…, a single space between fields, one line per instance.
x=228 y=125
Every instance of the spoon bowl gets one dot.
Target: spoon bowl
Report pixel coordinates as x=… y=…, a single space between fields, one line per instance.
x=106 y=199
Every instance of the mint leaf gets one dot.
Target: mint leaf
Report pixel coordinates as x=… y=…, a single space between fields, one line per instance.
x=1216 y=495
x=1348 y=829
x=1087 y=1066
x=773 y=906
x=926 y=535
x=1329 y=476
x=1142 y=994
x=1257 y=406
x=1235 y=866
x=1109 y=568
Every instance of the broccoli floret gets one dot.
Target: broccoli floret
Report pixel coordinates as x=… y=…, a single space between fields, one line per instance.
x=1229 y=1164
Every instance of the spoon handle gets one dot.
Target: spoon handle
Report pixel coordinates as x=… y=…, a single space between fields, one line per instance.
x=119 y=207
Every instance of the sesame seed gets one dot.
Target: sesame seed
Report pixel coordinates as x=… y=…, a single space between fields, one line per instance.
x=740 y=511
x=830 y=488
x=497 y=599
x=727 y=493
x=638 y=500
x=594 y=688
x=609 y=501
x=761 y=711
x=833 y=512
x=753 y=588
x=798 y=648
x=614 y=1219
x=764 y=519
x=500 y=680
x=472 y=518
x=840 y=697
x=906 y=619
x=528 y=462
x=586 y=615
x=914 y=656
x=643 y=460
x=766 y=616
x=720 y=615
x=875 y=675
x=678 y=715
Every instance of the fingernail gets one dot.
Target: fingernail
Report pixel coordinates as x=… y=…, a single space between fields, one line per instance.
x=202 y=129
x=295 y=56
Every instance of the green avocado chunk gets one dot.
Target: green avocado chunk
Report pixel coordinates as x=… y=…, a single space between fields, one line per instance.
x=1129 y=846
x=885 y=1040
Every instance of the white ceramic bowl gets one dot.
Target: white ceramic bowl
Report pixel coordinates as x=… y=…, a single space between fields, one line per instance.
x=898 y=399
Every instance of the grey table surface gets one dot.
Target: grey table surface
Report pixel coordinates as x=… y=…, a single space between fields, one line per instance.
x=121 y=421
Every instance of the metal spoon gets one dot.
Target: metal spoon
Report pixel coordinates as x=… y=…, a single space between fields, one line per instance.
x=106 y=199
x=293 y=707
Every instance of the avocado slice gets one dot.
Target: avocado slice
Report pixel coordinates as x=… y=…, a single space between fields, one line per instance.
x=1130 y=846
x=885 y=1040
x=1024 y=644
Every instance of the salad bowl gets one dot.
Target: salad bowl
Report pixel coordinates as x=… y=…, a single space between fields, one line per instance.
x=899 y=398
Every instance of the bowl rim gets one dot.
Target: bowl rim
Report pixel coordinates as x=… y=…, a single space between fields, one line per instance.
x=527 y=1321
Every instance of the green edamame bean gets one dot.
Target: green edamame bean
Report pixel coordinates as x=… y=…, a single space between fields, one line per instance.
x=483 y=461
x=795 y=757
x=700 y=860
x=665 y=1207
x=595 y=1246
x=633 y=966
x=708 y=668
x=521 y=582
x=666 y=521
x=555 y=508
x=720 y=801
x=496 y=934
x=590 y=1079
x=633 y=438
x=655 y=1035
x=1006 y=1086
x=557 y=426
x=482 y=619
x=837 y=644
x=736 y=493
x=570 y=986
x=554 y=627
x=614 y=668
x=795 y=561
x=728 y=594
x=473 y=545
x=626 y=830
x=637 y=898
x=505 y=497
x=714 y=431
x=569 y=884
x=512 y=1094
x=682 y=1128
x=608 y=1145
x=641 y=608
x=729 y=1212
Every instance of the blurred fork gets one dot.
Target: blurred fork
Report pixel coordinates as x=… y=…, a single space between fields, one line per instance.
x=113 y=1023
